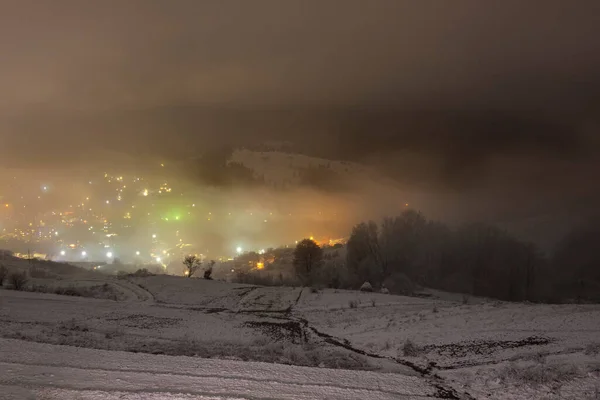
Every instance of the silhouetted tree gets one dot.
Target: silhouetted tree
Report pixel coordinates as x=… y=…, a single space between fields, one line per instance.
x=191 y=263
x=363 y=256
x=18 y=280
x=402 y=241
x=576 y=264
x=476 y=258
x=3 y=273
x=307 y=257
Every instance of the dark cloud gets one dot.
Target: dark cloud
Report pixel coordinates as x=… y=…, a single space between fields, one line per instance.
x=446 y=94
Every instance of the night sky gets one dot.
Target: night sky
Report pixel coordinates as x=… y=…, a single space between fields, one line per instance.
x=497 y=102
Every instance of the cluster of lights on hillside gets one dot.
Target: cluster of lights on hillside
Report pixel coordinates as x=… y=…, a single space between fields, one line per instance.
x=96 y=222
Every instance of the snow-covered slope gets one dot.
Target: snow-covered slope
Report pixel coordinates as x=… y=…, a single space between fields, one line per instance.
x=280 y=167
x=482 y=349
x=42 y=371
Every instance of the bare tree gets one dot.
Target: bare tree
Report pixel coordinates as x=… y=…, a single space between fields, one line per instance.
x=191 y=263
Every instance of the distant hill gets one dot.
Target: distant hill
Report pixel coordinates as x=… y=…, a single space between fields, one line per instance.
x=276 y=169
x=282 y=169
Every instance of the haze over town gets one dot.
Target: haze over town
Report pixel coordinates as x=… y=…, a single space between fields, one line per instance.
x=293 y=199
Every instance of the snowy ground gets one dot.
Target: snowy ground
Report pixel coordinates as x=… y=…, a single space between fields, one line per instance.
x=484 y=349
x=42 y=371
x=489 y=349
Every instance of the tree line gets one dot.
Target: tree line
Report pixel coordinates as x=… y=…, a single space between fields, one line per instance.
x=404 y=252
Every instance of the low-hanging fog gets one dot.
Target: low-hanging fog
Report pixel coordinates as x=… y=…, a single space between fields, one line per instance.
x=458 y=117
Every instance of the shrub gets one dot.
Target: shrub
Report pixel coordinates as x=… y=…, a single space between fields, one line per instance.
x=72 y=325
x=39 y=288
x=209 y=270
x=332 y=274
x=69 y=291
x=593 y=349
x=142 y=273
x=264 y=278
x=465 y=298
x=538 y=374
x=399 y=284
x=410 y=349
x=104 y=291
x=3 y=273
x=538 y=357
x=18 y=280
x=263 y=350
x=353 y=304
x=366 y=287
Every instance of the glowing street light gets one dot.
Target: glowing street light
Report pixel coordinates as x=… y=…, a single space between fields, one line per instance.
x=154 y=236
x=62 y=252
x=109 y=254
x=83 y=253
x=239 y=250
x=137 y=253
x=158 y=259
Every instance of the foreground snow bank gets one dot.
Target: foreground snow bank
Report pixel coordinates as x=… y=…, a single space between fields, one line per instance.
x=43 y=371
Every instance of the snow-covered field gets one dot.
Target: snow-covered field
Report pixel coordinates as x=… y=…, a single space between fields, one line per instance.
x=394 y=346
x=490 y=349
x=42 y=371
